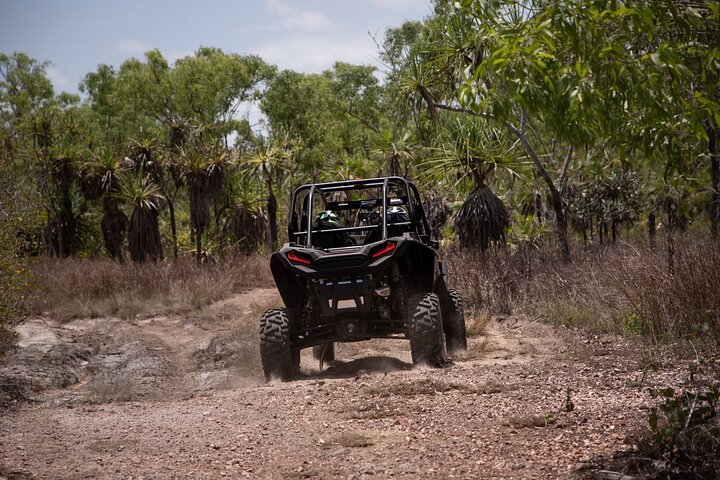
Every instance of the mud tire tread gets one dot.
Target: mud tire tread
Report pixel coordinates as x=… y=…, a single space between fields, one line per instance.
x=278 y=358
x=427 y=342
x=454 y=322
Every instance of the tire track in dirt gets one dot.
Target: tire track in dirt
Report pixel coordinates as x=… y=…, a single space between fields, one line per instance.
x=499 y=412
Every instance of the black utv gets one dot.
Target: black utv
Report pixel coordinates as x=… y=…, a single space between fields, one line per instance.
x=359 y=264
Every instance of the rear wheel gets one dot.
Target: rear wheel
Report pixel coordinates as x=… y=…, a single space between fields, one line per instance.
x=424 y=322
x=279 y=359
x=454 y=322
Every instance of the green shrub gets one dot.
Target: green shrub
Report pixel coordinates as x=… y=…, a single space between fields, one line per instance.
x=685 y=427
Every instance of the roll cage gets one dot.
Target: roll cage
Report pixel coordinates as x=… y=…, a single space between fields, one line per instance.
x=300 y=224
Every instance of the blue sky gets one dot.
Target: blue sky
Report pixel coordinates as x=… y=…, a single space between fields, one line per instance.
x=304 y=35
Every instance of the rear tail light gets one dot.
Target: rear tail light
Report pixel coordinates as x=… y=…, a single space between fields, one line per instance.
x=296 y=257
x=386 y=249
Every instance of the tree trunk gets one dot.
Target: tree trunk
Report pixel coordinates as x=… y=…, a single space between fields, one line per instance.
x=670 y=239
x=614 y=231
x=714 y=177
x=555 y=195
x=114 y=224
x=652 y=226
x=272 y=220
x=198 y=246
x=173 y=228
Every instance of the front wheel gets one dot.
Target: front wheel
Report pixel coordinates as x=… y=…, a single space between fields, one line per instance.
x=424 y=322
x=279 y=359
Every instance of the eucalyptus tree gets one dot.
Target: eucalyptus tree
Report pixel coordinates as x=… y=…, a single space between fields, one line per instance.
x=581 y=71
x=334 y=115
x=40 y=136
x=299 y=106
x=208 y=87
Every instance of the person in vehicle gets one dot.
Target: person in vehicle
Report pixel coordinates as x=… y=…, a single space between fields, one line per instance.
x=394 y=216
x=326 y=221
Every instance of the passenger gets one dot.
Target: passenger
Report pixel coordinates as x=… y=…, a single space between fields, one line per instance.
x=328 y=220
x=394 y=215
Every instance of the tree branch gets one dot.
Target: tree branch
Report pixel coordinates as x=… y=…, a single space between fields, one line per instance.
x=467 y=111
x=563 y=174
x=532 y=154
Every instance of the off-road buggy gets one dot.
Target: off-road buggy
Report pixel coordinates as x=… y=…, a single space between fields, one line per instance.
x=376 y=276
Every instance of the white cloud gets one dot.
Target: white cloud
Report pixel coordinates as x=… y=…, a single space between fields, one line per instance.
x=58 y=78
x=311 y=21
x=133 y=47
x=293 y=19
x=312 y=54
x=277 y=6
x=402 y=4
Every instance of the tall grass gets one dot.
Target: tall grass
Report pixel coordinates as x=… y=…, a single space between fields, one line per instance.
x=69 y=288
x=623 y=288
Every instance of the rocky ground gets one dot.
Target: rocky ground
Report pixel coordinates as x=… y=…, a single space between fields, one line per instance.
x=183 y=397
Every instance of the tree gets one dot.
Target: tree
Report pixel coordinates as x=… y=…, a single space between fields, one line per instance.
x=42 y=134
x=474 y=149
x=201 y=164
x=144 y=233
x=100 y=180
x=270 y=161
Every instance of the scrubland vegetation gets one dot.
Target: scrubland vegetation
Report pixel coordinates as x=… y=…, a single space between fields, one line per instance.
x=567 y=152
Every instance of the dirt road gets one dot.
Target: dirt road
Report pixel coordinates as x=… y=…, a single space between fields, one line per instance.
x=182 y=397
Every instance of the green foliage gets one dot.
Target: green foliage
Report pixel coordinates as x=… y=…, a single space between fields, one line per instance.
x=143 y=232
x=609 y=198
x=684 y=426
x=16 y=241
x=612 y=103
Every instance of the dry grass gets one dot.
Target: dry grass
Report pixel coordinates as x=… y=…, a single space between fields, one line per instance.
x=74 y=288
x=115 y=388
x=476 y=321
x=623 y=288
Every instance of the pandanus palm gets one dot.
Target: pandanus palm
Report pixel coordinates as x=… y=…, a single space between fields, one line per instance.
x=270 y=161
x=144 y=233
x=201 y=164
x=394 y=153
x=143 y=153
x=101 y=180
x=245 y=224
x=475 y=149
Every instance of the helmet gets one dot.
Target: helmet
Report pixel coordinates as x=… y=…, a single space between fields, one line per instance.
x=327 y=219
x=397 y=215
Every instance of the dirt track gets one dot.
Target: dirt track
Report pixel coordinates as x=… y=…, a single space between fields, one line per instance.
x=182 y=397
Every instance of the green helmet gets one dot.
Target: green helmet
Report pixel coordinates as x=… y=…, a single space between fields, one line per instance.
x=327 y=219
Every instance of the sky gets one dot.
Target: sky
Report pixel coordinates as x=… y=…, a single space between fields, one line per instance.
x=75 y=36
